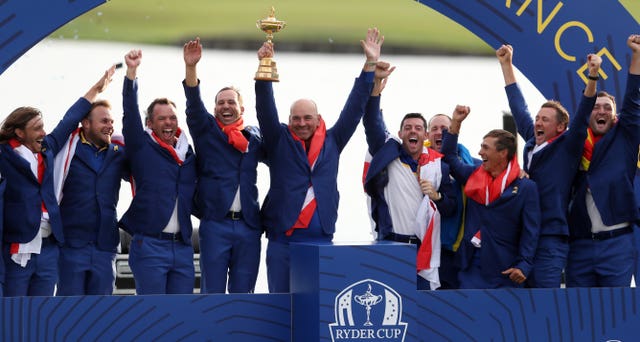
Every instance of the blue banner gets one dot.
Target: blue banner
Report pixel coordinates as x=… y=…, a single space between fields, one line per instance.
x=23 y=23
x=552 y=38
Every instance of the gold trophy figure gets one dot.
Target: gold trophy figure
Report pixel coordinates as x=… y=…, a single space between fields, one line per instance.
x=267 y=70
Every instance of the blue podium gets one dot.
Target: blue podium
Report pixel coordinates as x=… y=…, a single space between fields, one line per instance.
x=358 y=292
x=367 y=292
x=340 y=292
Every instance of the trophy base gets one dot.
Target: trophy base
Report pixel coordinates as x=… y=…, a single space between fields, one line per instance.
x=267 y=71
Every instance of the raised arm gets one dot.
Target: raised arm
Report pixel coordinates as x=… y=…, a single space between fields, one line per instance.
x=266 y=110
x=131 y=122
x=633 y=42
x=101 y=85
x=354 y=108
x=459 y=170
x=198 y=119
x=593 y=61
x=78 y=111
x=381 y=74
x=133 y=60
x=371 y=46
x=375 y=129
x=629 y=117
x=373 y=122
x=192 y=52
x=580 y=120
x=505 y=57
x=517 y=104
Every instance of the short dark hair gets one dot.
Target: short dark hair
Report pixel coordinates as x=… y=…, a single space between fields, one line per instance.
x=161 y=101
x=236 y=90
x=562 y=115
x=414 y=116
x=98 y=103
x=505 y=140
x=18 y=119
x=603 y=93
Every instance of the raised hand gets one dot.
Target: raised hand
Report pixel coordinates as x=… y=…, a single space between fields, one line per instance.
x=192 y=52
x=381 y=74
x=460 y=113
x=633 y=42
x=383 y=70
x=266 y=50
x=594 y=61
x=505 y=54
x=133 y=59
x=372 y=44
x=505 y=57
x=101 y=85
x=106 y=78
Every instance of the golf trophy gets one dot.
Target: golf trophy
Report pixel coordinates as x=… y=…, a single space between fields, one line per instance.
x=368 y=300
x=267 y=70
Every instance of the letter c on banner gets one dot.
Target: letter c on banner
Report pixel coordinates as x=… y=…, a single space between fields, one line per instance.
x=561 y=30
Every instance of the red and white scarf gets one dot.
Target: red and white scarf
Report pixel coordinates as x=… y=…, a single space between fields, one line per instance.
x=428 y=219
x=310 y=204
x=234 y=134
x=179 y=152
x=62 y=162
x=63 y=159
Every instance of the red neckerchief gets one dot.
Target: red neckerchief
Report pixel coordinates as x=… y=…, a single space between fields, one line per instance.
x=587 y=153
x=317 y=141
x=168 y=147
x=554 y=138
x=234 y=133
x=484 y=189
x=14 y=143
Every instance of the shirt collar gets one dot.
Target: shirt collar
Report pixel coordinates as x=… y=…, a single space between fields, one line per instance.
x=87 y=142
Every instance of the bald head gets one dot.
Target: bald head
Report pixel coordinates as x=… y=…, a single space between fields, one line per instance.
x=306 y=106
x=304 y=118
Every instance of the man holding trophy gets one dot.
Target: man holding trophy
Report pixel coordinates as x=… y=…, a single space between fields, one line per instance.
x=303 y=156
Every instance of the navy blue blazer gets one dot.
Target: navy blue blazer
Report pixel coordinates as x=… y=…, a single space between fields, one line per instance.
x=289 y=169
x=554 y=166
x=612 y=170
x=90 y=197
x=510 y=225
x=159 y=180
x=24 y=194
x=221 y=167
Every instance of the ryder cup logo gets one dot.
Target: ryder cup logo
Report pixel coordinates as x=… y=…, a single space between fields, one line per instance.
x=368 y=310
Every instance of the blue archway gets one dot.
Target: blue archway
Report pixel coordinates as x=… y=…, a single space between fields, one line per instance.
x=24 y=23
x=551 y=39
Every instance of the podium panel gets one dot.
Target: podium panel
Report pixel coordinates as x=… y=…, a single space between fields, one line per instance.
x=360 y=292
x=243 y=317
x=352 y=292
x=367 y=292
